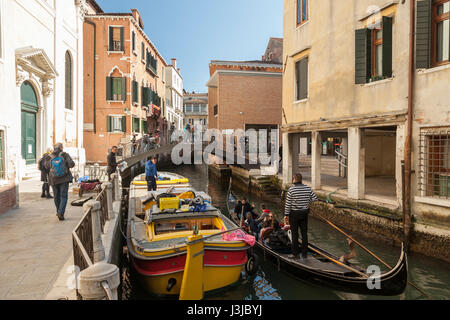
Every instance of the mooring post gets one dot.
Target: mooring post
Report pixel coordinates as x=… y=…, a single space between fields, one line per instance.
x=99 y=282
x=107 y=187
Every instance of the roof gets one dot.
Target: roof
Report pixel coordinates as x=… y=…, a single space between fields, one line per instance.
x=96 y=6
x=251 y=63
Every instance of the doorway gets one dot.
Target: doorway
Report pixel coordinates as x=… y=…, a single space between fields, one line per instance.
x=29 y=109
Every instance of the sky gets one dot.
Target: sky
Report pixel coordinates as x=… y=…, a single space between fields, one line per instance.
x=198 y=31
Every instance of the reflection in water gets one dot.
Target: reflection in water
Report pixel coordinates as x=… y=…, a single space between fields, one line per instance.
x=431 y=275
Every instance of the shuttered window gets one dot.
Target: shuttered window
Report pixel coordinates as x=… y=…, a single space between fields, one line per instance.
x=135 y=92
x=116 y=124
x=68 y=82
x=373 y=53
x=301 y=77
x=116 y=89
x=144 y=127
x=133 y=41
x=142 y=51
x=136 y=125
x=116 y=39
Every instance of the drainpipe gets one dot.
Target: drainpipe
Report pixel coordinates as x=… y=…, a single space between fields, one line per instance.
x=95 y=53
x=407 y=217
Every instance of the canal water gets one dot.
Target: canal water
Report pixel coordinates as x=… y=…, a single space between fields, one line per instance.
x=431 y=275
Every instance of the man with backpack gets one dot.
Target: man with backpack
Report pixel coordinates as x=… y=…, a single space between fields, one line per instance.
x=59 y=165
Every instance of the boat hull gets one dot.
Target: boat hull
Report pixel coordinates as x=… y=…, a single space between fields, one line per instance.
x=221 y=269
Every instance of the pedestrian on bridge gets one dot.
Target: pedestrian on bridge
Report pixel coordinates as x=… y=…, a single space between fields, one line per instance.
x=112 y=162
x=151 y=174
x=59 y=164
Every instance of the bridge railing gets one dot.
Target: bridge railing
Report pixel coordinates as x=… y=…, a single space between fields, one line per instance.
x=87 y=242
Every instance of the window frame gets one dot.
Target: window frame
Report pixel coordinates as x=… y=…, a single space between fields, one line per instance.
x=374 y=46
x=111 y=39
x=120 y=80
x=297 y=74
x=300 y=21
x=435 y=20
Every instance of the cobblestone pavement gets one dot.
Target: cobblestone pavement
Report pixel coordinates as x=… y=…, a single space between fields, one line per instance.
x=34 y=244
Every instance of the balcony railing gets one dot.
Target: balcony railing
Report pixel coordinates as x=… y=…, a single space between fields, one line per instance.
x=117 y=46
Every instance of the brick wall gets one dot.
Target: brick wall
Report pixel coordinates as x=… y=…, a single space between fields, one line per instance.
x=7 y=198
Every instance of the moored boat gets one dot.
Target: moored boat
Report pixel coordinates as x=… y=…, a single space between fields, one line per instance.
x=324 y=268
x=159 y=224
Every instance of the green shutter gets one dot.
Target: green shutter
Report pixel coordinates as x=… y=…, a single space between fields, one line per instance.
x=109 y=124
x=109 y=89
x=423 y=34
x=362 y=56
x=124 y=88
x=124 y=124
x=387 y=47
x=122 y=43
x=304 y=78
x=111 y=44
x=135 y=91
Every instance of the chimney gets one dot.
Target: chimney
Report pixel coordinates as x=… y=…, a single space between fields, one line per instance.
x=179 y=70
x=174 y=63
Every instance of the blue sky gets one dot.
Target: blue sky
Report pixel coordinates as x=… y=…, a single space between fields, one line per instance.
x=198 y=31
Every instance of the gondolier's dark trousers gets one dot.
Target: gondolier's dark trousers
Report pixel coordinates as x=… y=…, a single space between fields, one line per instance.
x=299 y=219
x=151 y=183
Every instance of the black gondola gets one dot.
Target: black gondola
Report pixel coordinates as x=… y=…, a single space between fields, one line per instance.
x=321 y=270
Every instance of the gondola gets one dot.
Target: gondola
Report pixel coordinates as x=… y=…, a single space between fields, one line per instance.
x=318 y=268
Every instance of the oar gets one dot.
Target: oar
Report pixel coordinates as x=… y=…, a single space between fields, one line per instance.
x=333 y=260
x=370 y=252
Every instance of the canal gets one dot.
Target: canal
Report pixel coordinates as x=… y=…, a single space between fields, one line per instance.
x=431 y=275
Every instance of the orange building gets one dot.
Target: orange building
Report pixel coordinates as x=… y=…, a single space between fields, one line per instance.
x=124 y=81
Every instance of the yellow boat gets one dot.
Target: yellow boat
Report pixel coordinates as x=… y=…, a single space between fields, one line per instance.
x=165 y=179
x=159 y=225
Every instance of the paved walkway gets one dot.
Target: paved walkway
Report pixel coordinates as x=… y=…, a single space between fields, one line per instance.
x=34 y=244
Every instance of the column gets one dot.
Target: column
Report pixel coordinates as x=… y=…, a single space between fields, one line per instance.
x=356 y=164
x=399 y=157
x=316 y=156
x=287 y=160
x=344 y=150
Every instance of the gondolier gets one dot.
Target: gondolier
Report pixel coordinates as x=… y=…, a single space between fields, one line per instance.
x=298 y=202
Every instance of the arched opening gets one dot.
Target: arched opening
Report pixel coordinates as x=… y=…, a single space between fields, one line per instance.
x=68 y=82
x=29 y=109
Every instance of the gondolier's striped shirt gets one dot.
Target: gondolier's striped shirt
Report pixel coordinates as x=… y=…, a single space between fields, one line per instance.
x=299 y=197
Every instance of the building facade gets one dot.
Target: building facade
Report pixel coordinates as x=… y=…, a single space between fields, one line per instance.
x=41 y=86
x=346 y=82
x=124 y=79
x=174 y=95
x=196 y=109
x=244 y=95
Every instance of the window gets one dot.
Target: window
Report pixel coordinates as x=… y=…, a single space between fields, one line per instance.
x=116 y=43
x=68 y=82
x=117 y=124
x=373 y=53
x=216 y=110
x=377 y=53
x=302 y=11
x=440 y=32
x=142 y=51
x=144 y=127
x=301 y=75
x=433 y=33
x=133 y=41
x=135 y=92
x=196 y=108
x=116 y=89
x=135 y=125
x=2 y=155
x=435 y=163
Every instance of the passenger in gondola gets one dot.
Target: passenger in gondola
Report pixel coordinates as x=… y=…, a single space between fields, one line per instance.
x=251 y=225
x=243 y=207
x=264 y=213
x=266 y=225
x=277 y=239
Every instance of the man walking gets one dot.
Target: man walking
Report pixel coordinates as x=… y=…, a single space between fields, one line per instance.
x=298 y=202
x=112 y=162
x=59 y=165
x=44 y=174
x=151 y=173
